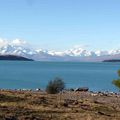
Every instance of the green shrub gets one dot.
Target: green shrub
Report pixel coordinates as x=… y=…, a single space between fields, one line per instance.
x=117 y=82
x=119 y=73
x=55 y=86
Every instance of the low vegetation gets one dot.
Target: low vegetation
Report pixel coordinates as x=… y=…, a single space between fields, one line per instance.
x=117 y=82
x=38 y=105
x=55 y=86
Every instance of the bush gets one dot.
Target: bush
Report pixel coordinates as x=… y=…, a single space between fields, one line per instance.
x=119 y=73
x=55 y=86
x=117 y=82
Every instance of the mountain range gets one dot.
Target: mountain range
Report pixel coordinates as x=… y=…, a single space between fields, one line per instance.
x=21 y=48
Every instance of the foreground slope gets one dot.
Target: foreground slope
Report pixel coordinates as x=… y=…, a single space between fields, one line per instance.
x=32 y=105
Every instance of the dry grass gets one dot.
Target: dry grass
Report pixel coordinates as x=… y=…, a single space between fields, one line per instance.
x=25 y=105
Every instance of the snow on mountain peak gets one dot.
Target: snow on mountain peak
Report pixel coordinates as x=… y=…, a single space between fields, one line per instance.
x=77 y=51
x=20 y=47
x=101 y=53
x=114 y=52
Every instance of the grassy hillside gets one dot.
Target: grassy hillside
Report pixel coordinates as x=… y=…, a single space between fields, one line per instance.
x=27 y=105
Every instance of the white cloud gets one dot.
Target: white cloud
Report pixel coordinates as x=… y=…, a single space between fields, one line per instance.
x=18 y=42
x=80 y=46
x=3 y=42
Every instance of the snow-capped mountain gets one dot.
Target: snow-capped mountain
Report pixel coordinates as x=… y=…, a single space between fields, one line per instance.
x=21 y=48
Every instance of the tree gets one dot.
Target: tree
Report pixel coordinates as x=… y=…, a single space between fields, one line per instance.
x=119 y=73
x=55 y=86
x=117 y=82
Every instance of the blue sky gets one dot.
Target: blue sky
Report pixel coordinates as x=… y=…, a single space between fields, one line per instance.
x=61 y=24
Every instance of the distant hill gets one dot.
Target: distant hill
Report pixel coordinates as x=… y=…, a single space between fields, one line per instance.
x=113 y=60
x=14 y=57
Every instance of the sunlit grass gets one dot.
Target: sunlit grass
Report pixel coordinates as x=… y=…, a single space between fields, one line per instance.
x=47 y=106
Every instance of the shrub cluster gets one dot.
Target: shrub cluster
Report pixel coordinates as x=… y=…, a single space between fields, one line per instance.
x=117 y=82
x=55 y=86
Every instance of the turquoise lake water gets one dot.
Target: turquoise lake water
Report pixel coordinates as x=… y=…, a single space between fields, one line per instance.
x=31 y=75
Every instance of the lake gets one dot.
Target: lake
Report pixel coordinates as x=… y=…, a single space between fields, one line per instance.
x=32 y=75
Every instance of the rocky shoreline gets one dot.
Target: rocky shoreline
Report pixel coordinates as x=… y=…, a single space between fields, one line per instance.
x=82 y=89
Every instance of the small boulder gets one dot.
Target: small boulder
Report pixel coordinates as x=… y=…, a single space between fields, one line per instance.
x=71 y=89
x=38 y=89
x=84 y=89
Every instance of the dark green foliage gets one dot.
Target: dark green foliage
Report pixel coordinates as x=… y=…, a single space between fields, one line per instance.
x=117 y=82
x=119 y=73
x=55 y=86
